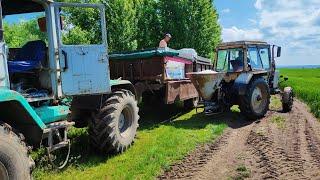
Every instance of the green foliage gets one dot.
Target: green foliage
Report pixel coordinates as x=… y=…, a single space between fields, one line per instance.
x=121 y=24
x=149 y=28
x=135 y=24
x=16 y=35
x=193 y=24
x=305 y=83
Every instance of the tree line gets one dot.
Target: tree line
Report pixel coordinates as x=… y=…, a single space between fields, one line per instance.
x=137 y=24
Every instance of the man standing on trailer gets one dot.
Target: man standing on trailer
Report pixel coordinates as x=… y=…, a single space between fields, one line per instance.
x=164 y=42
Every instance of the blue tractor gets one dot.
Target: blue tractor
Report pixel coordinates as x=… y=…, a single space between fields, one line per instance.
x=48 y=86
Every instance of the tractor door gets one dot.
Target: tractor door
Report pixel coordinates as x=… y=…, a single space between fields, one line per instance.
x=83 y=57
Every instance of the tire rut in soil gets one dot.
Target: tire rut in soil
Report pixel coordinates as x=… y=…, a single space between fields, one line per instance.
x=313 y=144
x=281 y=152
x=195 y=160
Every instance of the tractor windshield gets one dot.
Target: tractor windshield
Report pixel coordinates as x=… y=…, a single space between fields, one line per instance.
x=230 y=60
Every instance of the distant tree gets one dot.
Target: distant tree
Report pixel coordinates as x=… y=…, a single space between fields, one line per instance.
x=121 y=24
x=134 y=24
x=192 y=23
x=17 y=34
x=149 y=27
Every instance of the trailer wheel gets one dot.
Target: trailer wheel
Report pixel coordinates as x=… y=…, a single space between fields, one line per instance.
x=287 y=99
x=114 y=126
x=15 y=162
x=255 y=103
x=191 y=103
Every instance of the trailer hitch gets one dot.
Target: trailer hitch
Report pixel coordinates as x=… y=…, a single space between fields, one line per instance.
x=58 y=141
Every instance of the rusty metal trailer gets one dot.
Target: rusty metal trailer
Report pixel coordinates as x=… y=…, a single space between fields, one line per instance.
x=159 y=73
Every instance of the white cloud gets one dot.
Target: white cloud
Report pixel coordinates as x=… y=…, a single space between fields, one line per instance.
x=258 y=4
x=226 y=10
x=236 y=34
x=293 y=24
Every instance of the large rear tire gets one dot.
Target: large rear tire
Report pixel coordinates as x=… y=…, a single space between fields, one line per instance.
x=255 y=103
x=15 y=162
x=114 y=126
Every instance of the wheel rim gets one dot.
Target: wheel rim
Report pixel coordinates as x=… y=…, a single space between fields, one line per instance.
x=258 y=100
x=3 y=172
x=125 y=121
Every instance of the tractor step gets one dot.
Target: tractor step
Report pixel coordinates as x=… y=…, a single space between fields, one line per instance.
x=56 y=133
x=58 y=125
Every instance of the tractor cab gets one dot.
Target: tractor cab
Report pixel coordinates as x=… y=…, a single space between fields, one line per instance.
x=47 y=55
x=47 y=59
x=248 y=58
x=245 y=56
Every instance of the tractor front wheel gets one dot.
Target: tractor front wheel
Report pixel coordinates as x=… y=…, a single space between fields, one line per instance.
x=15 y=163
x=114 y=126
x=191 y=103
x=287 y=99
x=255 y=103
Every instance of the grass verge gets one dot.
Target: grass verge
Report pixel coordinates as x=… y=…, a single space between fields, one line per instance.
x=157 y=146
x=306 y=86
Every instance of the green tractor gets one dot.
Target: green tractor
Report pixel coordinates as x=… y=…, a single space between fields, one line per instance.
x=245 y=75
x=48 y=86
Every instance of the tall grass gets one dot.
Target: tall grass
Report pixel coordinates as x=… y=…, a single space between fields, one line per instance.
x=306 y=85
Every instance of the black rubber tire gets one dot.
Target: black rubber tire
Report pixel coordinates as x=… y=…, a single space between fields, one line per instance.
x=191 y=103
x=246 y=106
x=287 y=105
x=105 y=133
x=15 y=161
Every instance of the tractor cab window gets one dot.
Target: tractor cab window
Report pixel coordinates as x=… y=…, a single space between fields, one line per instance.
x=258 y=58
x=230 y=60
x=25 y=35
x=80 y=25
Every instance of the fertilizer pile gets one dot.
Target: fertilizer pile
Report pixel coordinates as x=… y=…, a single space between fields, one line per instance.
x=208 y=72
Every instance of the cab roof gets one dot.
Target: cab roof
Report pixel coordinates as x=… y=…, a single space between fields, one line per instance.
x=241 y=44
x=10 y=7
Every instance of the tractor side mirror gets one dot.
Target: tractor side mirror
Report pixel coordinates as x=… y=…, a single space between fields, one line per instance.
x=279 y=52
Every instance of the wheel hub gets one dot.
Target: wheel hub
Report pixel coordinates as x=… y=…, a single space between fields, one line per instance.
x=121 y=121
x=3 y=172
x=125 y=121
x=257 y=99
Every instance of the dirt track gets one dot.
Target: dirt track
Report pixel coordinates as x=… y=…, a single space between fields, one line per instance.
x=280 y=146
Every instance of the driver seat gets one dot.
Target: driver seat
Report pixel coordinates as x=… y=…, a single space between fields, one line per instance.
x=28 y=58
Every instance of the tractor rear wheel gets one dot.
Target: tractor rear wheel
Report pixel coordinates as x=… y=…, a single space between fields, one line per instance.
x=255 y=103
x=114 y=126
x=15 y=162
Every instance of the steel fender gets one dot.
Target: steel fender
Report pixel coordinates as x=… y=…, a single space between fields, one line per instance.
x=7 y=95
x=124 y=84
x=240 y=84
x=286 y=94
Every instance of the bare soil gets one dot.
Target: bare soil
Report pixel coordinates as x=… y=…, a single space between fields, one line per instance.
x=279 y=146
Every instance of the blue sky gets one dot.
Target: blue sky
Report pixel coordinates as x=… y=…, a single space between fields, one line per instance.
x=292 y=24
